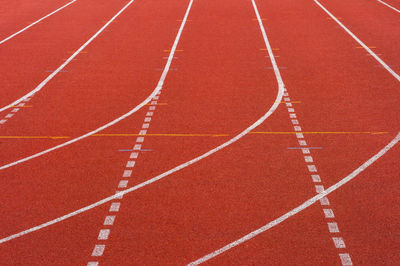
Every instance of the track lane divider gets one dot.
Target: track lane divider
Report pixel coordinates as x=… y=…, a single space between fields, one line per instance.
x=36 y=22
x=271 y=110
x=61 y=67
x=386 y=4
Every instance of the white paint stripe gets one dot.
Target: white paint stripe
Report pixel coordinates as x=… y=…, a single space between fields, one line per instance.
x=134 y=155
x=130 y=164
x=115 y=205
x=36 y=22
x=109 y=220
x=302 y=206
x=333 y=227
x=142 y=132
x=149 y=113
x=139 y=139
x=305 y=150
x=138 y=107
x=93 y=263
x=300 y=135
x=302 y=143
x=324 y=201
x=51 y=76
x=98 y=250
x=308 y=159
x=377 y=58
x=181 y=166
x=339 y=242
x=345 y=258
x=319 y=188
x=329 y=213
x=103 y=234
x=316 y=178
x=386 y=4
x=292 y=116
x=137 y=147
x=123 y=183
x=127 y=173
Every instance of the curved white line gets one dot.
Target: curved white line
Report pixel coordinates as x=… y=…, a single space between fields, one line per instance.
x=51 y=76
x=272 y=109
x=312 y=200
x=134 y=110
x=36 y=22
x=299 y=208
x=386 y=4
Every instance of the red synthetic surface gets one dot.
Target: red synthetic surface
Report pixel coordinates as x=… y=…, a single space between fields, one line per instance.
x=220 y=82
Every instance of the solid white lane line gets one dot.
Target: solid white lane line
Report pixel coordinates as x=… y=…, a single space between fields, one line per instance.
x=134 y=110
x=53 y=74
x=36 y=22
x=272 y=109
x=302 y=206
x=377 y=58
x=386 y=4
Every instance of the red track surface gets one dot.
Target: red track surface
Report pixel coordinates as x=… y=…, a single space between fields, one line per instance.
x=220 y=82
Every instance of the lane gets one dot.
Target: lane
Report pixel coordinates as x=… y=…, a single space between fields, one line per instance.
x=345 y=100
x=373 y=23
x=394 y=5
x=36 y=53
x=16 y=15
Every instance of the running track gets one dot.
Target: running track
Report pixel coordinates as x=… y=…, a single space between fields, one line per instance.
x=336 y=108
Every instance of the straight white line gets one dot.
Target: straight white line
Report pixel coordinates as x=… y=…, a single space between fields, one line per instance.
x=386 y=4
x=301 y=207
x=377 y=58
x=36 y=22
x=272 y=109
x=51 y=76
x=138 y=107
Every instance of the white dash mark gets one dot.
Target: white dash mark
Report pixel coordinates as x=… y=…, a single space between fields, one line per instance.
x=297 y=128
x=109 y=220
x=286 y=99
x=147 y=119
x=319 y=188
x=329 y=213
x=149 y=113
x=308 y=159
x=333 y=227
x=137 y=147
x=153 y=102
x=98 y=250
x=292 y=116
x=316 y=178
x=305 y=151
x=93 y=263
x=291 y=110
x=134 y=155
x=123 y=184
x=145 y=125
x=139 y=139
x=312 y=168
x=156 y=97
x=14 y=110
x=103 y=234
x=152 y=108
x=142 y=132
x=3 y=121
x=324 y=201
x=289 y=104
x=9 y=115
x=127 y=173
x=339 y=242
x=285 y=93
x=302 y=143
x=115 y=207
x=295 y=122
x=130 y=164
x=345 y=258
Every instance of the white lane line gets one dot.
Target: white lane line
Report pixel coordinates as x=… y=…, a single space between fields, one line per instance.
x=272 y=109
x=377 y=58
x=301 y=207
x=134 y=110
x=386 y=4
x=36 y=22
x=51 y=76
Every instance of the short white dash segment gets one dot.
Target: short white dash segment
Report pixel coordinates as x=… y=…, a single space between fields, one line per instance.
x=149 y=113
x=308 y=159
x=152 y=108
x=98 y=250
x=130 y=164
x=312 y=168
x=299 y=135
x=153 y=102
x=292 y=116
x=345 y=258
x=147 y=119
x=14 y=110
x=316 y=178
x=137 y=147
x=297 y=128
x=140 y=139
x=329 y=213
x=156 y=97
x=333 y=227
x=123 y=184
x=319 y=188
x=302 y=143
x=145 y=125
x=3 y=121
x=324 y=201
x=93 y=263
x=289 y=104
x=9 y=115
x=295 y=122
x=134 y=155
x=339 y=242
x=291 y=110
x=127 y=173
x=115 y=207
x=305 y=151
x=109 y=220
x=103 y=234
x=142 y=132
x=286 y=99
